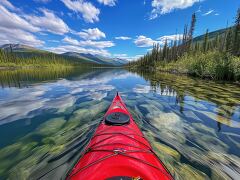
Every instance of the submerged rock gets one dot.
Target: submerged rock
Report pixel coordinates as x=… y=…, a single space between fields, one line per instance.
x=166 y=151
x=188 y=172
x=167 y=120
x=51 y=126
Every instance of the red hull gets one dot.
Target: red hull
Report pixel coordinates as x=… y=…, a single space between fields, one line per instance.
x=116 y=150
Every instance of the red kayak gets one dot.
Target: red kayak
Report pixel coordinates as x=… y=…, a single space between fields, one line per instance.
x=119 y=151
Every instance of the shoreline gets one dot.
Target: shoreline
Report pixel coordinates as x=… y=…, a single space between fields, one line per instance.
x=178 y=73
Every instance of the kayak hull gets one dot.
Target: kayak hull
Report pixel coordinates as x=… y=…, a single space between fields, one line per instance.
x=118 y=151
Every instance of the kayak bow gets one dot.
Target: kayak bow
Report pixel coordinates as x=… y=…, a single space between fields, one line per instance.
x=118 y=150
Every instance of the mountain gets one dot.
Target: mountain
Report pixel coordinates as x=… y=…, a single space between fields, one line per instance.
x=20 y=48
x=28 y=51
x=97 y=58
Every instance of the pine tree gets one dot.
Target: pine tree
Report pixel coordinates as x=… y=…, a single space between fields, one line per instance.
x=236 y=38
x=205 y=43
x=164 y=55
x=191 y=30
x=229 y=44
x=217 y=42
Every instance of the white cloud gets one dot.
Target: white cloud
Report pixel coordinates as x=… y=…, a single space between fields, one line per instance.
x=120 y=55
x=170 y=38
x=108 y=2
x=8 y=5
x=143 y=41
x=167 y=6
x=126 y=57
x=11 y=21
x=89 y=12
x=96 y=44
x=15 y=29
x=216 y=14
x=93 y=34
x=19 y=28
x=73 y=48
x=208 y=13
x=18 y=36
x=122 y=38
x=49 y=22
x=71 y=41
x=134 y=58
x=199 y=9
x=89 y=43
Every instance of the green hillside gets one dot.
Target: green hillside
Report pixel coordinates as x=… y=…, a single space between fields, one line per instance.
x=27 y=52
x=211 y=35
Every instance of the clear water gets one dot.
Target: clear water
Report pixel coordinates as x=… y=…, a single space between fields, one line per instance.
x=47 y=117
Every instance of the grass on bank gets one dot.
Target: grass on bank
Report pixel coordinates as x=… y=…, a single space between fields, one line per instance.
x=212 y=64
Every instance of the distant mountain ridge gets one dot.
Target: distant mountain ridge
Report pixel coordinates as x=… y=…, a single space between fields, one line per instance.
x=28 y=51
x=19 y=48
x=97 y=58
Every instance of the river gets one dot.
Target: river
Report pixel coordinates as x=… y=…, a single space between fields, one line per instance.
x=47 y=117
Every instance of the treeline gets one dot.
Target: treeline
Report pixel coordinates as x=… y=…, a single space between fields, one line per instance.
x=38 y=59
x=227 y=45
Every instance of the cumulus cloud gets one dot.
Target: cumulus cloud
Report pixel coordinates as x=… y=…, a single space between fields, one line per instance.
x=22 y=28
x=120 y=55
x=126 y=57
x=18 y=36
x=89 y=12
x=174 y=37
x=73 y=48
x=8 y=5
x=89 y=43
x=16 y=29
x=11 y=20
x=92 y=34
x=108 y=2
x=71 y=41
x=123 y=38
x=143 y=41
x=166 y=6
x=49 y=22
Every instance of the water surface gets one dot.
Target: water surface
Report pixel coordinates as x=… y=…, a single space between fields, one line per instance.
x=47 y=117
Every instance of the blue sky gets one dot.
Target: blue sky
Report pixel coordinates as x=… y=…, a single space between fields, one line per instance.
x=116 y=28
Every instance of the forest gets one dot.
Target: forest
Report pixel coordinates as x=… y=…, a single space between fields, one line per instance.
x=15 y=60
x=215 y=58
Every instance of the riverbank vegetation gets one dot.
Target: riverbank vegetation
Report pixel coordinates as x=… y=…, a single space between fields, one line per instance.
x=215 y=58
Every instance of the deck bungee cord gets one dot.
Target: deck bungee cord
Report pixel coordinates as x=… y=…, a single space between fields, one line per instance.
x=118 y=150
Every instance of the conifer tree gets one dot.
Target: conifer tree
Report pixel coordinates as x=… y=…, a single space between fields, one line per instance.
x=191 y=30
x=236 y=40
x=205 y=43
x=229 y=39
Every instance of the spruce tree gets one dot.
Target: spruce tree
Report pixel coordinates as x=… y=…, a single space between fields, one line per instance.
x=164 y=55
x=191 y=30
x=236 y=38
x=229 y=38
x=205 y=43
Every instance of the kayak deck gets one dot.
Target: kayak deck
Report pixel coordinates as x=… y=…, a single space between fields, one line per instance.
x=119 y=151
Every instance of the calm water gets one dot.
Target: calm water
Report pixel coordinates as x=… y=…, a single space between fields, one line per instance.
x=47 y=117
